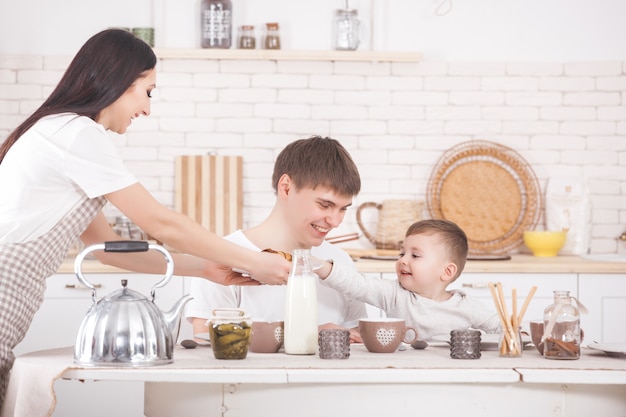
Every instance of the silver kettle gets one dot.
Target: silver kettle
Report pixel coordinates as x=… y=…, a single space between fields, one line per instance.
x=125 y=329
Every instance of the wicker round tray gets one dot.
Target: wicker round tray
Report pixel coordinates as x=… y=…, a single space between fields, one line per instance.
x=490 y=191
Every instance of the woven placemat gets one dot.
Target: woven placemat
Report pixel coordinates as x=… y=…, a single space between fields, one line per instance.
x=490 y=191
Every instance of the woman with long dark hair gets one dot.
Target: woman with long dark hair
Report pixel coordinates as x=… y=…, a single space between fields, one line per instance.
x=60 y=166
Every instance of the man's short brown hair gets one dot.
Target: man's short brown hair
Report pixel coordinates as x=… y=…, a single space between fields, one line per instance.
x=318 y=161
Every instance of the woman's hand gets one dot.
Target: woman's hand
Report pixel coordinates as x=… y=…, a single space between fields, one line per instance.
x=222 y=274
x=269 y=268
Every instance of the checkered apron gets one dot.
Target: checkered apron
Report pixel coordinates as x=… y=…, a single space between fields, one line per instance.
x=24 y=268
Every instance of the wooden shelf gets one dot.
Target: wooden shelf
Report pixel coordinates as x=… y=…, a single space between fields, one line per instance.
x=287 y=55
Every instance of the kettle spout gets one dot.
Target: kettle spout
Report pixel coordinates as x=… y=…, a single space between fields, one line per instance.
x=174 y=316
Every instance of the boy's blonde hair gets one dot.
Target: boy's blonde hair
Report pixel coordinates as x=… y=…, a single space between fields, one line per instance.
x=452 y=236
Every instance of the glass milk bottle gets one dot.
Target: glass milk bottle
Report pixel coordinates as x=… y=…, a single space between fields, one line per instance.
x=301 y=306
x=561 y=328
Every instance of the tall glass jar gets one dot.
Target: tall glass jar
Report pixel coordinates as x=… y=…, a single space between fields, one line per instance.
x=346 y=30
x=216 y=23
x=300 y=335
x=561 y=328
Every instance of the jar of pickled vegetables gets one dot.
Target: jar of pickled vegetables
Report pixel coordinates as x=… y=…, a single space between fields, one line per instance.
x=229 y=331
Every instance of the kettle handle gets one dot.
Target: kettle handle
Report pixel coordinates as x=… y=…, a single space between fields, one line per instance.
x=123 y=246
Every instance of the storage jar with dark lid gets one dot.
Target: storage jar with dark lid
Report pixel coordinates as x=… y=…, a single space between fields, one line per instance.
x=216 y=23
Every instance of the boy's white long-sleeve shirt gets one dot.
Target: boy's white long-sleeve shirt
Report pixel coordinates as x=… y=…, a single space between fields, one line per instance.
x=430 y=318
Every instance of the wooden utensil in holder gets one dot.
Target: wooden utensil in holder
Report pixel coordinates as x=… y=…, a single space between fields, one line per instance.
x=512 y=344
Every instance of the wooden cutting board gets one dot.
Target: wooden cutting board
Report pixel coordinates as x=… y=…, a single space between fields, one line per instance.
x=209 y=189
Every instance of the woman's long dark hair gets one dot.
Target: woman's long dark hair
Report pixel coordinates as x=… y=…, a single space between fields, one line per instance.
x=102 y=70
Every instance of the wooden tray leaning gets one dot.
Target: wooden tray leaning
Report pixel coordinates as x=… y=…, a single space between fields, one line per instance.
x=490 y=191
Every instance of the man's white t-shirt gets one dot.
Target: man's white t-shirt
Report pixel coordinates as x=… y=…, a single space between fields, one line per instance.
x=58 y=163
x=267 y=302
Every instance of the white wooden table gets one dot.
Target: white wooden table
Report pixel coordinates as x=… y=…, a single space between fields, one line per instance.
x=367 y=384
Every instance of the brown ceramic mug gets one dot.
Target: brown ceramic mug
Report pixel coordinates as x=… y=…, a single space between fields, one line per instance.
x=384 y=335
x=266 y=336
x=536 y=333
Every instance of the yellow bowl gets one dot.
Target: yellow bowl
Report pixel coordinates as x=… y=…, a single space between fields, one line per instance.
x=544 y=243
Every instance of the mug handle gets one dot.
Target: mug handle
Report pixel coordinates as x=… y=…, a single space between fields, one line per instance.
x=409 y=329
x=369 y=204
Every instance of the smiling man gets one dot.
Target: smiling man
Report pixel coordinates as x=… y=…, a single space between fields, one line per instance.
x=314 y=180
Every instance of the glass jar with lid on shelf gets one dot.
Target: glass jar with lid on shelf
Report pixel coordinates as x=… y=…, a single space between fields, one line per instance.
x=272 y=36
x=346 y=30
x=246 y=38
x=216 y=23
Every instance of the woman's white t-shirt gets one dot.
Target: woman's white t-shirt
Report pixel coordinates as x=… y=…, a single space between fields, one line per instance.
x=54 y=166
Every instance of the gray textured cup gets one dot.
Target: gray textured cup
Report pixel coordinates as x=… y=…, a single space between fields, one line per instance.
x=465 y=344
x=334 y=344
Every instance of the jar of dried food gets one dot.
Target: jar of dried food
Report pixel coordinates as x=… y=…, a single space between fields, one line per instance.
x=246 y=38
x=272 y=36
x=561 y=321
x=216 y=23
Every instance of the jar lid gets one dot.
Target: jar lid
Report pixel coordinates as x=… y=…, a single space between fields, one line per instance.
x=229 y=313
x=272 y=25
x=247 y=27
x=346 y=11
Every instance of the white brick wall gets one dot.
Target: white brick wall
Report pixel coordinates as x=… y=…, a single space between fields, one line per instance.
x=396 y=119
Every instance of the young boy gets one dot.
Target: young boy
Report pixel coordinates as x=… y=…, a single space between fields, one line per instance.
x=433 y=255
x=315 y=180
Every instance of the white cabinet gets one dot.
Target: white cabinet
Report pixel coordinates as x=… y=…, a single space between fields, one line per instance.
x=605 y=298
x=56 y=324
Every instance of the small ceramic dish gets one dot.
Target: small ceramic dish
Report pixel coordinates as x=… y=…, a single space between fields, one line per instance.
x=614 y=350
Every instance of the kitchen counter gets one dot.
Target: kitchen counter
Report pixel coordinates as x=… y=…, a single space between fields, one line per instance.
x=517 y=264
x=278 y=384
